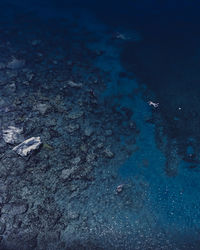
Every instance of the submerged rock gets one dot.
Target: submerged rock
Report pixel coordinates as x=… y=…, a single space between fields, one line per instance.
x=108 y=153
x=2 y=227
x=90 y=157
x=75 y=114
x=120 y=36
x=190 y=150
x=2 y=65
x=88 y=131
x=73 y=215
x=15 y=64
x=15 y=208
x=108 y=132
x=12 y=134
x=27 y=146
x=76 y=160
x=36 y=42
x=42 y=108
x=3 y=79
x=12 y=87
x=72 y=127
x=66 y=173
x=74 y=84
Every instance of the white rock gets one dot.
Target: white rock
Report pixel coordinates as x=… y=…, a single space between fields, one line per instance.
x=11 y=135
x=27 y=146
x=155 y=105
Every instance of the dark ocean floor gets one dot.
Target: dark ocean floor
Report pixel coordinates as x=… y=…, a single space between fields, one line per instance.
x=112 y=171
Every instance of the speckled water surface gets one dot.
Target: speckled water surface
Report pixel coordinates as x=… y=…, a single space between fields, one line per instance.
x=99 y=125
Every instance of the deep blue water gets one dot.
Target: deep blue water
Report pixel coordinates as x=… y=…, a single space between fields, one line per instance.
x=113 y=172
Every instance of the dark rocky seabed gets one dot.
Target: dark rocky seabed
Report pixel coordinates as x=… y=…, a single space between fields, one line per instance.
x=112 y=172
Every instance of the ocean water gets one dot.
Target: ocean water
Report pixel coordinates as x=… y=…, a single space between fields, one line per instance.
x=110 y=89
